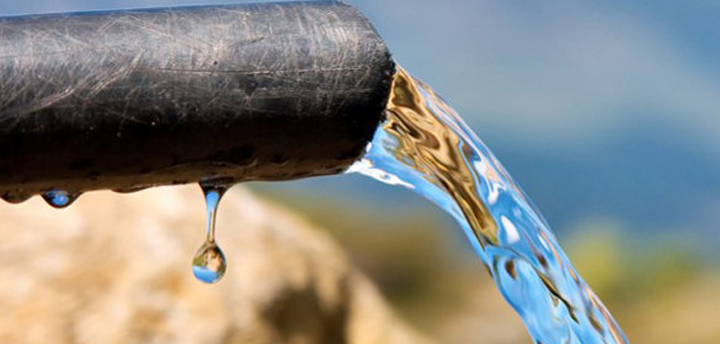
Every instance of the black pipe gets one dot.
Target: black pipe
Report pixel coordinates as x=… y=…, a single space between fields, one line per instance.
x=129 y=99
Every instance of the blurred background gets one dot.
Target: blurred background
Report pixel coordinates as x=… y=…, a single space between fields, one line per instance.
x=608 y=114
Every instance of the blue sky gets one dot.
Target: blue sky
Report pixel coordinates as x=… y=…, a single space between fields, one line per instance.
x=601 y=110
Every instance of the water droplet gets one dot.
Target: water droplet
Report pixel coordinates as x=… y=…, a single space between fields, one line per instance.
x=130 y=189
x=15 y=197
x=59 y=198
x=209 y=263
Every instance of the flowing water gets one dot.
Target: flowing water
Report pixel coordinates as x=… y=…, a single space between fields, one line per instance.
x=423 y=145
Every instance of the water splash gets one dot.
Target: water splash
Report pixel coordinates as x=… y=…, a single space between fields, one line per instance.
x=209 y=263
x=425 y=146
x=60 y=198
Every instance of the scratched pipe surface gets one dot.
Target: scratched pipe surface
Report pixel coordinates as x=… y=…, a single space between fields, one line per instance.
x=129 y=99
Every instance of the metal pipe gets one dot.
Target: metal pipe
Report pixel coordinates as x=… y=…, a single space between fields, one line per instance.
x=129 y=99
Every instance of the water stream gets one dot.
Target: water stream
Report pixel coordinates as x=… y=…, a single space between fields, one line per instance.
x=424 y=145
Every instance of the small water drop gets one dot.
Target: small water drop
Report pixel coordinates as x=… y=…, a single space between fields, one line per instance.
x=209 y=262
x=59 y=198
x=130 y=189
x=16 y=197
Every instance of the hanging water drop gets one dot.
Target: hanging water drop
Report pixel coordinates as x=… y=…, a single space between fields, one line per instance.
x=15 y=197
x=209 y=262
x=59 y=198
x=130 y=189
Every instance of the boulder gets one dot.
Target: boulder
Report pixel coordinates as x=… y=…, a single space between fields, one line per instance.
x=115 y=268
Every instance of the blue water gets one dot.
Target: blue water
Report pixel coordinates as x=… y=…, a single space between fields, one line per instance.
x=205 y=275
x=425 y=146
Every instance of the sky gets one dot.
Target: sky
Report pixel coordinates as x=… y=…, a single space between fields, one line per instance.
x=601 y=110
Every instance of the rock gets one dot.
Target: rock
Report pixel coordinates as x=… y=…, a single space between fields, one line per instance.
x=115 y=268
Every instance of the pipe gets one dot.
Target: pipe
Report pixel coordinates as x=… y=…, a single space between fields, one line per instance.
x=129 y=99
